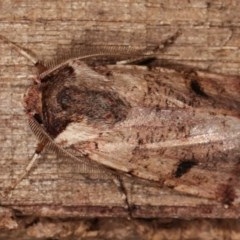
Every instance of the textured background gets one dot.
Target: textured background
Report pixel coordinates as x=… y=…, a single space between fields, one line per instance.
x=210 y=40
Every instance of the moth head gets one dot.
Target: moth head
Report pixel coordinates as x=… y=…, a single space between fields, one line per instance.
x=32 y=101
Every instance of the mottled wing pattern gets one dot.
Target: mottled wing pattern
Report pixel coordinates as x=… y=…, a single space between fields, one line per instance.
x=181 y=130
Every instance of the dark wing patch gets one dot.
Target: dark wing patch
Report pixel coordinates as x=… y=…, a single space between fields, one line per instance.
x=95 y=105
x=195 y=86
x=184 y=167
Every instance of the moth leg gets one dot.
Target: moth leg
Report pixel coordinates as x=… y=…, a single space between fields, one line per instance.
x=25 y=53
x=151 y=54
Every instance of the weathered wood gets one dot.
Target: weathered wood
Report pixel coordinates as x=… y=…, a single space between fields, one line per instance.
x=209 y=40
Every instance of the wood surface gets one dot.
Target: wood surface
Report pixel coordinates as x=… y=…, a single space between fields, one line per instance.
x=54 y=188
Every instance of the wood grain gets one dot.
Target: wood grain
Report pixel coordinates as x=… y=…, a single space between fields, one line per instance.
x=210 y=40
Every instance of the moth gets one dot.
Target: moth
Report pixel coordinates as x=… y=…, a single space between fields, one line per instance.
x=120 y=110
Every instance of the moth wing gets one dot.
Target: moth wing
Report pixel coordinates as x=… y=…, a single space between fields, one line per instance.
x=187 y=128
x=84 y=165
x=195 y=153
x=169 y=88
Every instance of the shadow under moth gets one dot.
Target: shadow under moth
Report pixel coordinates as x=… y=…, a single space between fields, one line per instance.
x=117 y=110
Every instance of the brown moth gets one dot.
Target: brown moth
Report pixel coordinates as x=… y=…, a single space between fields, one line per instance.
x=120 y=110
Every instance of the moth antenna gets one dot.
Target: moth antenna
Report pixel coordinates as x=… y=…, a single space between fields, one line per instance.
x=28 y=168
x=152 y=53
x=25 y=53
x=24 y=174
x=19 y=49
